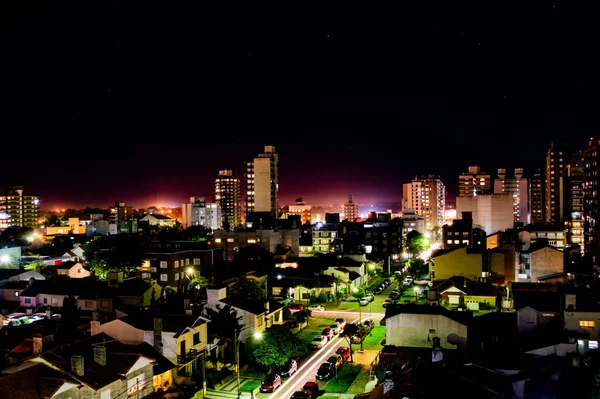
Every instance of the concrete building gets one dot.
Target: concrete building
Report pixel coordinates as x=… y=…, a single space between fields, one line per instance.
x=492 y=213
x=591 y=193
x=576 y=202
x=226 y=193
x=351 y=210
x=261 y=182
x=120 y=213
x=538 y=198
x=474 y=182
x=426 y=195
x=518 y=187
x=199 y=213
x=556 y=184
x=17 y=209
x=411 y=221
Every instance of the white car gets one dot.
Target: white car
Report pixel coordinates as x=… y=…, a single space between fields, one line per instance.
x=319 y=308
x=318 y=341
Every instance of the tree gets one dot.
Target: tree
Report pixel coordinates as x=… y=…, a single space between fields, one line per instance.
x=120 y=252
x=99 y=268
x=246 y=288
x=276 y=347
x=254 y=257
x=224 y=321
x=196 y=291
x=416 y=243
x=358 y=292
x=69 y=317
x=415 y=266
x=348 y=332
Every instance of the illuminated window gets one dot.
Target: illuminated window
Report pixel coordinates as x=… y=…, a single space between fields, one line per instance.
x=587 y=323
x=163 y=264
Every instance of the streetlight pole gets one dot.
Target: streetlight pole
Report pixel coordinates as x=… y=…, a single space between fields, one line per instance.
x=237 y=360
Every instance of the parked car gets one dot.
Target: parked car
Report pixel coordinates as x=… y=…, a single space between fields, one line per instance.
x=326 y=371
x=288 y=369
x=387 y=301
x=344 y=352
x=341 y=322
x=311 y=388
x=336 y=328
x=270 y=383
x=295 y=307
x=318 y=342
x=363 y=301
x=370 y=297
x=328 y=332
x=318 y=308
x=336 y=360
x=300 y=395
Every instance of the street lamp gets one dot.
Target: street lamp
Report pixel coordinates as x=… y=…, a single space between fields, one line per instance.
x=416 y=294
x=236 y=345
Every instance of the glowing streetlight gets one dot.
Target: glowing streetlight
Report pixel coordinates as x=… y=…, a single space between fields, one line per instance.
x=416 y=294
x=4 y=258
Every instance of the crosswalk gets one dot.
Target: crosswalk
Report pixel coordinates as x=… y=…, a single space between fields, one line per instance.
x=228 y=390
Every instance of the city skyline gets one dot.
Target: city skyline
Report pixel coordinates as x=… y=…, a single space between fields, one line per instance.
x=149 y=116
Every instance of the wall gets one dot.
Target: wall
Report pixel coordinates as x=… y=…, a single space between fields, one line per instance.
x=572 y=319
x=546 y=261
x=412 y=330
x=119 y=330
x=456 y=263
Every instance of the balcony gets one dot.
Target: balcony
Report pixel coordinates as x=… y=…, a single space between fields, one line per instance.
x=188 y=356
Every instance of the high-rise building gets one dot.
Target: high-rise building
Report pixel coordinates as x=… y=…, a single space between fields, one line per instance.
x=538 y=198
x=491 y=212
x=226 y=193
x=199 y=213
x=120 y=213
x=556 y=184
x=17 y=209
x=518 y=188
x=474 y=182
x=351 y=210
x=426 y=194
x=591 y=214
x=261 y=177
x=576 y=215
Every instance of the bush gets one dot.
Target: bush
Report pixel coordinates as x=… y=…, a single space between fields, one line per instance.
x=322 y=298
x=486 y=306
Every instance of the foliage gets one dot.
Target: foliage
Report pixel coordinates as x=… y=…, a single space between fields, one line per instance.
x=415 y=266
x=224 y=321
x=181 y=391
x=120 y=252
x=322 y=298
x=15 y=237
x=196 y=291
x=358 y=292
x=37 y=266
x=276 y=347
x=69 y=317
x=197 y=233
x=347 y=333
x=416 y=242
x=246 y=288
x=98 y=268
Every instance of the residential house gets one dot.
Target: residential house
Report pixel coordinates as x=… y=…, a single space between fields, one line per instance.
x=98 y=367
x=70 y=268
x=180 y=338
x=537 y=305
x=159 y=220
x=11 y=290
x=168 y=263
x=135 y=291
x=460 y=290
x=257 y=315
x=28 y=382
x=581 y=315
x=459 y=260
x=76 y=253
x=417 y=325
x=51 y=293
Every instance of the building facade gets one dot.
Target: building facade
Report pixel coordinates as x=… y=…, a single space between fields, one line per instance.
x=518 y=187
x=426 y=194
x=491 y=213
x=556 y=184
x=261 y=177
x=17 y=209
x=199 y=213
x=474 y=182
x=226 y=193
x=538 y=198
x=576 y=201
x=351 y=209
x=301 y=209
x=590 y=195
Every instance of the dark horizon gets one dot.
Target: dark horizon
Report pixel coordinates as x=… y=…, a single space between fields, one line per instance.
x=145 y=105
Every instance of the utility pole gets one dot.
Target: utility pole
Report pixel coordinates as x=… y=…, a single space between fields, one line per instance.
x=204 y=374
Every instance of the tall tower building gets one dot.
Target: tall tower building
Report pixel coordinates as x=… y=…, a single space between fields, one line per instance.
x=576 y=198
x=17 y=209
x=518 y=188
x=538 y=198
x=120 y=212
x=591 y=163
x=426 y=195
x=474 y=182
x=351 y=210
x=226 y=193
x=261 y=177
x=556 y=187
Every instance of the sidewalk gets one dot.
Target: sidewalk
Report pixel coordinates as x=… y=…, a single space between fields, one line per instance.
x=363 y=378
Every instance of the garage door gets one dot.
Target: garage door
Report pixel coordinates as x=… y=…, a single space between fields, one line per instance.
x=453 y=299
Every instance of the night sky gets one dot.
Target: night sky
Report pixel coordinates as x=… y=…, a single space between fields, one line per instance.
x=144 y=103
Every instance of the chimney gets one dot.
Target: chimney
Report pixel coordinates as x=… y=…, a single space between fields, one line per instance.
x=37 y=344
x=95 y=327
x=100 y=354
x=158 y=334
x=77 y=365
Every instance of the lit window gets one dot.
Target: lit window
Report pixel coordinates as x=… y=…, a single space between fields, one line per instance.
x=163 y=264
x=164 y=277
x=587 y=323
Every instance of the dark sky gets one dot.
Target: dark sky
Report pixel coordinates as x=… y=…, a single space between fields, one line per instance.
x=144 y=102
